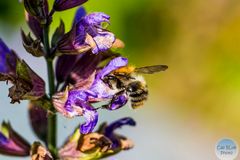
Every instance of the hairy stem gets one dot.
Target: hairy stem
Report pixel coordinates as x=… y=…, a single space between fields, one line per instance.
x=52 y=119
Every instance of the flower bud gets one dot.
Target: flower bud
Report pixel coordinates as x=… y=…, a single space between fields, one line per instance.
x=38 y=9
x=34 y=25
x=58 y=34
x=61 y=5
x=38 y=120
x=11 y=143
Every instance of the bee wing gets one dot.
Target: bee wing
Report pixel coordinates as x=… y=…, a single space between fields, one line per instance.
x=151 y=69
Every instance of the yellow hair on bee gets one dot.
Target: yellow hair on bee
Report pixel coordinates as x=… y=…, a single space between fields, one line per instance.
x=125 y=69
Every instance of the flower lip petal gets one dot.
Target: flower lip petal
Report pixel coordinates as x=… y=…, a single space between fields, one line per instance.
x=91 y=117
x=109 y=131
x=103 y=42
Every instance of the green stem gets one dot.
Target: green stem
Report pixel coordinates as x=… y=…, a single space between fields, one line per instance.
x=52 y=125
x=52 y=119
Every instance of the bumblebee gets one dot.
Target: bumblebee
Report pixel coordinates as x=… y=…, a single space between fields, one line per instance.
x=128 y=80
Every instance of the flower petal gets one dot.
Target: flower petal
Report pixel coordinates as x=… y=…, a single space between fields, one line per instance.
x=83 y=72
x=7 y=59
x=96 y=18
x=64 y=66
x=81 y=12
x=103 y=42
x=116 y=139
x=65 y=106
x=118 y=124
x=112 y=65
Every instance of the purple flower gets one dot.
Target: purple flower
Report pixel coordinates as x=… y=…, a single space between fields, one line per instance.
x=60 y=5
x=72 y=103
x=75 y=102
x=99 y=144
x=87 y=33
x=90 y=26
x=117 y=140
x=11 y=143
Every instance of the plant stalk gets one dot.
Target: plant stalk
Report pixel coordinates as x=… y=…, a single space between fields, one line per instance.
x=52 y=119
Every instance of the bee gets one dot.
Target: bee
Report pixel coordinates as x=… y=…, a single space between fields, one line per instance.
x=128 y=80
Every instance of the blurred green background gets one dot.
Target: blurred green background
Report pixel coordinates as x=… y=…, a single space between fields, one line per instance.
x=191 y=105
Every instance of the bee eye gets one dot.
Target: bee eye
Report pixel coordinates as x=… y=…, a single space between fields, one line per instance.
x=133 y=87
x=109 y=77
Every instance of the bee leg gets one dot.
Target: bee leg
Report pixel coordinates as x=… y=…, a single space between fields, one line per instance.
x=119 y=84
x=107 y=80
x=118 y=101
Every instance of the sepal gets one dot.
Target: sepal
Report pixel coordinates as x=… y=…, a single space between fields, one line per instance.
x=32 y=46
x=39 y=152
x=27 y=84
x=38 y=9
x=58 y=34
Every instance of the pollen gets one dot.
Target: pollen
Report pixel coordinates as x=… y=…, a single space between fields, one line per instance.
x=126 y=70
